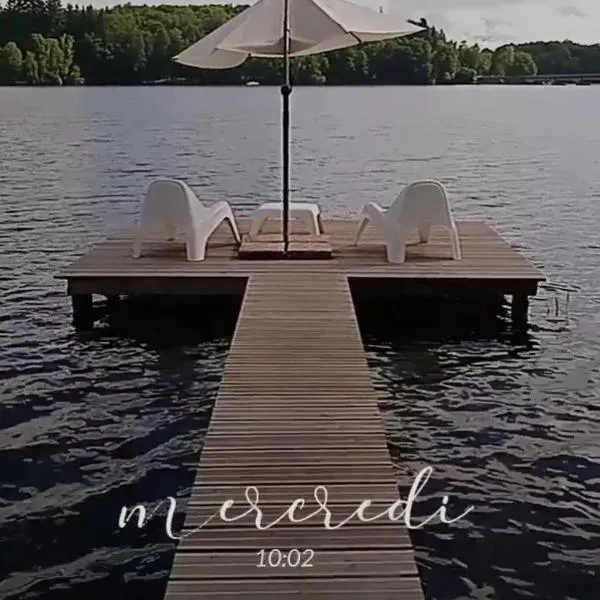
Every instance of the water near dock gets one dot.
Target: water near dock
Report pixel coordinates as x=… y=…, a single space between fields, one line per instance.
x=88 y=423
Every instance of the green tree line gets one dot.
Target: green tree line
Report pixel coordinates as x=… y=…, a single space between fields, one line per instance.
x=43 y=42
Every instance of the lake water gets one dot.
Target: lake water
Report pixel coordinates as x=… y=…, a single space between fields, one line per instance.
x=90 y=422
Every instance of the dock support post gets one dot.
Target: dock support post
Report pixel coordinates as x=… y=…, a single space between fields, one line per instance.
x=520 y=310
x=83 y=311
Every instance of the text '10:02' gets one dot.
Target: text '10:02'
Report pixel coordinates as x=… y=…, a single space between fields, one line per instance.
x=293 y=558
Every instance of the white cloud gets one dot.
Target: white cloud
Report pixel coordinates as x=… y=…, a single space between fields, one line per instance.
x=496 y=22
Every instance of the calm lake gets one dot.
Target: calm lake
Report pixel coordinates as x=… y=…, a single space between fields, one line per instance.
x=91 y=422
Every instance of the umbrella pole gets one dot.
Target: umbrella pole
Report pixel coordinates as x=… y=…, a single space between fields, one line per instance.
x=286 y=90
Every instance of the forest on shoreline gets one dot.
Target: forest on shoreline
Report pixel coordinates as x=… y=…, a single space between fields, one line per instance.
x=43 y=42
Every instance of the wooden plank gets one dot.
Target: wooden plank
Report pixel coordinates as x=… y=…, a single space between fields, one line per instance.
x=270 y=441
x=284 y=426
x=318 y=401
x=298 y=473
x=248 y=565
x=348 y=537
x=277 y=238
x=208 y=516
x=334 y=588
x=217 y=455
x=300 y=414
x=283 y=493
x=237 y=411
x=271 y=246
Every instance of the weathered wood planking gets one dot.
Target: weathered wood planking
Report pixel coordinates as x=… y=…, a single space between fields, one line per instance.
x=164 y=269
x=271 y=246
x=275 y=426
x=333 y=588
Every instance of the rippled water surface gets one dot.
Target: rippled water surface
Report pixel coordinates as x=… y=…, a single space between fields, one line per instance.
x=510 y=425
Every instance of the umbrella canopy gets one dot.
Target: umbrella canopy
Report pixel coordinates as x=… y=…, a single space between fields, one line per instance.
x=288 y=28
x=314 y=26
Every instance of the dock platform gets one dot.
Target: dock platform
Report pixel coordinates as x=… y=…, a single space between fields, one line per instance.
x=489 y=265
x=297 y=409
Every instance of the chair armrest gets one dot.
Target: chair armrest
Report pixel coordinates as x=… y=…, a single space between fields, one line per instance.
x=373 y=207
x=218 y=206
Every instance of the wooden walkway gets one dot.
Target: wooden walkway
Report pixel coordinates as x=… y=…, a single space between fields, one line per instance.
x=296 y=409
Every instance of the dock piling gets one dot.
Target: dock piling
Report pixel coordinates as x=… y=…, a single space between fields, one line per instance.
x=520 y=311
x=83 y=311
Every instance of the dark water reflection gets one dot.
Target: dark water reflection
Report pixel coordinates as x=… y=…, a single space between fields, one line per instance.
x=118 y=419
x=504 y=433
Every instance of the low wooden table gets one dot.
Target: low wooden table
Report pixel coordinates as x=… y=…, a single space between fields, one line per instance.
x=307 y=212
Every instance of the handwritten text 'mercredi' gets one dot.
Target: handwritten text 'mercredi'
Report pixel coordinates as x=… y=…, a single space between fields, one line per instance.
x=399 y=510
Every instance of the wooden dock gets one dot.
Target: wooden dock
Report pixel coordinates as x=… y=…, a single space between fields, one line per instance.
x=296 y=408
x=489 y=265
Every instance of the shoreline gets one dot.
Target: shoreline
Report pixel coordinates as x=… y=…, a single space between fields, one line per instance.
x=321 y=85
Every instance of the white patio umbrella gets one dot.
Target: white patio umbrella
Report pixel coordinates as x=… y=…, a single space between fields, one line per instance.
x=288 y=28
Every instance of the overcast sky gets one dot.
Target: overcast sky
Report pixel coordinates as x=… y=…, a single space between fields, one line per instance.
x=489 y=22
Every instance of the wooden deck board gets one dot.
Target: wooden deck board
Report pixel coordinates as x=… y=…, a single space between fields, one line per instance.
x=304 y=442
x=284 y=493
x=294 y=473
x=361 y=563
x=332 y=588
x=349 y=537
x=301 y=246
x=216 y=456
x=274 y=426
x=199 y=514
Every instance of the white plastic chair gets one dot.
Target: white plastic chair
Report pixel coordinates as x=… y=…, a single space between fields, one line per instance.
x=171 y=204
x=420 y=205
